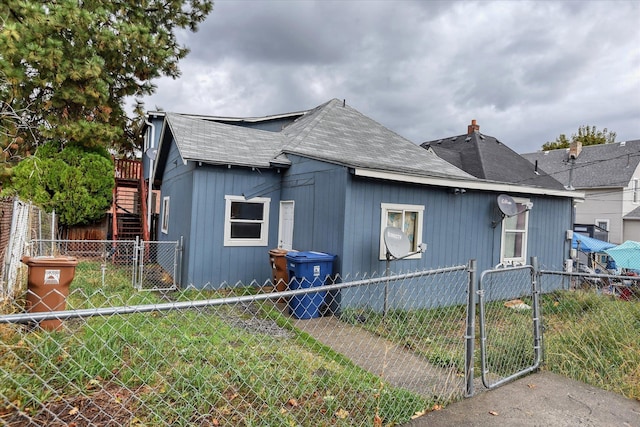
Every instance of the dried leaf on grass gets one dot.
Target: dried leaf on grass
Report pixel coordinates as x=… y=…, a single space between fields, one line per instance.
x=342 y=413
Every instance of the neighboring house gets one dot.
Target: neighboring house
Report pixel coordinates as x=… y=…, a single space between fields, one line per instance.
x=331 y=179
x=486 y=157
x=608 y=175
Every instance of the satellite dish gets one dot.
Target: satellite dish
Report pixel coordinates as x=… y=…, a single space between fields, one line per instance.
x=152 y=153
x=507 y=205
x=397 y=243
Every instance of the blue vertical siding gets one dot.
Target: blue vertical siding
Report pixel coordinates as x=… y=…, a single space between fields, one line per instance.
x=456 y=228
x=210 y=263
x=177 y=184
x=318 y=190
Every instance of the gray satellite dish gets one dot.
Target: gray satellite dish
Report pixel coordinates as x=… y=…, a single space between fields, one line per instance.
x=397 y=243
x=152 y=153
x=507 y=205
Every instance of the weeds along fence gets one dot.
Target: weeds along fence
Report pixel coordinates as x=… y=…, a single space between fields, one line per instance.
x=592 y=328
x=353 y=352
x=239 y=357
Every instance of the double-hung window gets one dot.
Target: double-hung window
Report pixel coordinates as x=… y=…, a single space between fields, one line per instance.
x=407 y=218
x=514 y=235
x=246 y=221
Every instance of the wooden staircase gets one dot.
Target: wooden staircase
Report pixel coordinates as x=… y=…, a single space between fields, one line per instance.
x=129 y=207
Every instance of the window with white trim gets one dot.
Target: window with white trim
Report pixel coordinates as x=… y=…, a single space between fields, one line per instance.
x=603 y=224
x=164 y=227
x=515 y=230
x=636 y=191
x=246 y=222
x=409 y=219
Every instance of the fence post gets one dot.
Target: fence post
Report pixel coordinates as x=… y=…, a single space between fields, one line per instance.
x=471 y=328
x=537 y=329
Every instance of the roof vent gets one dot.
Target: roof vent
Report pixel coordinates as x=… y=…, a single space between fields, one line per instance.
x=482 y=137
x=453 y=138
x=467 y=139
x=623 y=143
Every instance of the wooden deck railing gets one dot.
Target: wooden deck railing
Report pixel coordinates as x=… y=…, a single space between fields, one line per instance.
x=128 y=169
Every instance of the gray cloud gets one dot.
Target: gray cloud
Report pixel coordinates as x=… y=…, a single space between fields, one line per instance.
x=527 y=71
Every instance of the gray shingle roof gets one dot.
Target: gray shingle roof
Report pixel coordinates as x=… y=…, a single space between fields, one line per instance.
x=634 y=214
x=332 y=132
x=485 y=157
x=207 y=141
x=337 y=133
x=597 y=166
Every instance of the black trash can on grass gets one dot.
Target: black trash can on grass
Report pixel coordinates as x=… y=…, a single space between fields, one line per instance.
x=48 y=286
x=308 y=270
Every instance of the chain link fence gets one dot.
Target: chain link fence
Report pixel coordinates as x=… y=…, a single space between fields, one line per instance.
x=592 y=327
x=357 y=351
x=510 y=332
x=246 y=356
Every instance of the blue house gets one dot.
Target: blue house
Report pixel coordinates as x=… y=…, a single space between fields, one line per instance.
x=331 y=179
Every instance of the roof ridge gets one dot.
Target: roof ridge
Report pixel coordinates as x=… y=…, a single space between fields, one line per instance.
x=313 y=116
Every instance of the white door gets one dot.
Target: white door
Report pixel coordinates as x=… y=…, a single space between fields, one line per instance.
x=285 y=229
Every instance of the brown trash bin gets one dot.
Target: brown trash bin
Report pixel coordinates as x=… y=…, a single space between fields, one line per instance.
x=279 y=273
x=48 y=286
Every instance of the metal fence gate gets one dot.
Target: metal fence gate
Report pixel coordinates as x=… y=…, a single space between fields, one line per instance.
x=510 y=331
x=152 y=266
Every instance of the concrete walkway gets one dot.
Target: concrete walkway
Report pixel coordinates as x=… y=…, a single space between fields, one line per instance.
x=541 y=399
x=395 y=364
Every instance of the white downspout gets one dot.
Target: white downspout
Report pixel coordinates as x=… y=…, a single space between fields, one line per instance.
x=151 y=142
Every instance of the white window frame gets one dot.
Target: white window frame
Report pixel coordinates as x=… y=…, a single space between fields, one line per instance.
x=385 y=208
x=635 y=187
x=525 y=236
x=264 y=230
x=164 y=227
x=605 y=221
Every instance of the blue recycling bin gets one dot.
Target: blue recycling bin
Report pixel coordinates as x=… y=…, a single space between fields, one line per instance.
x=308 y=270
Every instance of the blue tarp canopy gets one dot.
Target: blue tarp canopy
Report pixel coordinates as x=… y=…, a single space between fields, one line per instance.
x=626 y=255
x=589 y=244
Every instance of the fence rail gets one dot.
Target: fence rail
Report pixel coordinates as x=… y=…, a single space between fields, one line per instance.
x=235 y=357
x=248 y=356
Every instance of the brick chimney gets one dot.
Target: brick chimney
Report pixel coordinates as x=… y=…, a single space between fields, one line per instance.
x=473 y=127
x=575 y=147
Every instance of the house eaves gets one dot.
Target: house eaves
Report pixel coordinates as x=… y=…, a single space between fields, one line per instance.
x=476 y=184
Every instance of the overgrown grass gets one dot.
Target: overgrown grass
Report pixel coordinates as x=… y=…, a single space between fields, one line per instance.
x=193 y=366
x=589 y=337
x=595 y=339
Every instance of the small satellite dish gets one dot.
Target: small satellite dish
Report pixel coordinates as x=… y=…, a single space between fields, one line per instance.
x=397 y=243
x=507 y=205
x=152 y=153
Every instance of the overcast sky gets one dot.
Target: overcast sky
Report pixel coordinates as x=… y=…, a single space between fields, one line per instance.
x=526 y=71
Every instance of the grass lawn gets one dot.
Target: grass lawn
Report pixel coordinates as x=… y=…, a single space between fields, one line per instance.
x=185 y=367
x=205 y=367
